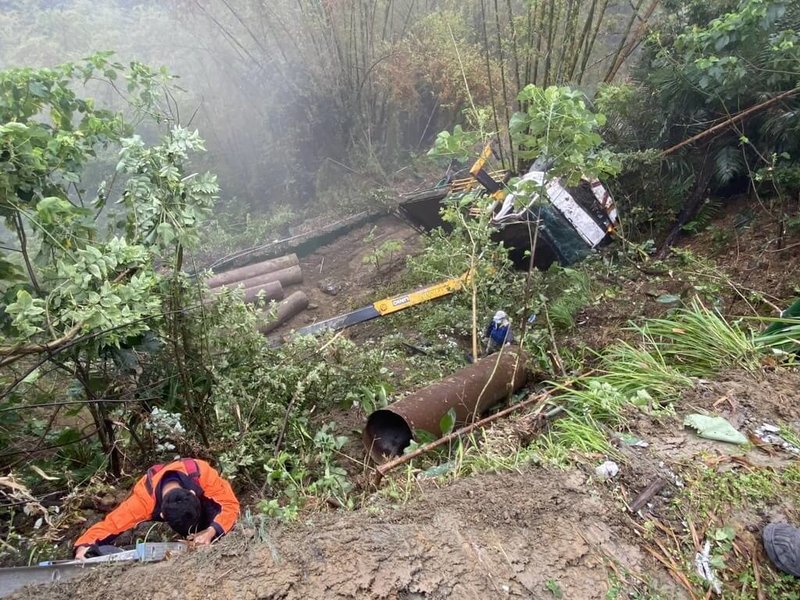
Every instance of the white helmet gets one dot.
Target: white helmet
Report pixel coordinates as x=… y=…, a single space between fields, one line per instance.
x=500 y=316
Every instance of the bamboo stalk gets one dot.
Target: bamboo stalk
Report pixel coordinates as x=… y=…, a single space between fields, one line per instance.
x=635 y=39
x=489 y=77
x=582 y=39
x=623 y=41
x=514 y=48
x=590 y=43
x=503 y=76
x=569 y=34
x=529 y=43
x=550 y=35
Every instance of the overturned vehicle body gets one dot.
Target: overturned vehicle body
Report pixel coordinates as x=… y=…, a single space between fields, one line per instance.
x=571 y=220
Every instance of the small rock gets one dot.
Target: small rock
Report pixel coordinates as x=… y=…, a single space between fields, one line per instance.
x=607 y=470
x=313 y=306
x=327 y=286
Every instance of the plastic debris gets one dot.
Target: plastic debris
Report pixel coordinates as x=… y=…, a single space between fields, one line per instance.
x=668 y=299
x=714 y=428
x=771 y=434
x=436 y=471
x=702 y=562
x=607 y=470
x=632 y=440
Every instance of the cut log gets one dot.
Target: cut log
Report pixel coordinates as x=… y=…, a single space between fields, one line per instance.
x=294 y=304
x=286 y=277
x=242 y=273
x=271 y=291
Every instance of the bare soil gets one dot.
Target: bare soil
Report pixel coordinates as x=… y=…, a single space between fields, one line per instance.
x=492 y=536
x=338 y=279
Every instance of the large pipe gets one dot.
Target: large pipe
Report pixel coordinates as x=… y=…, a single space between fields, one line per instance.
x=470 y=391
x=294 y=304
x=267 y=266
x=286 y=277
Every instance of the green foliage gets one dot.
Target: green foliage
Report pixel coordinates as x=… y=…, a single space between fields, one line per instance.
x=85 y=292
x=448 y=421
x=256 y=389
x=228 y=231
x=449 y=255
x=566 y=292
x=708 y=495
x=698 y=341
x=165 y=206
x=459 y=145
x=555 y=590
x=382 y=254
x=641 y=372
x=715 y=57
x=700 y=66
x=558 y=127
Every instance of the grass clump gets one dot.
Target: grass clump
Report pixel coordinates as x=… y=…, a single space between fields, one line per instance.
x=697 y=341
x=568 y=291
x=630 y=370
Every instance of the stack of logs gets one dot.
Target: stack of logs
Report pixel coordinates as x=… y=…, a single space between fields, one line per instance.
x=267 y=280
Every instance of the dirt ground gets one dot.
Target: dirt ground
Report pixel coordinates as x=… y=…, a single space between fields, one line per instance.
x=336 y=277
x=492 y=536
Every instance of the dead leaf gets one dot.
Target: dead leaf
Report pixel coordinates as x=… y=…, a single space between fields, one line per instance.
x=42 y=474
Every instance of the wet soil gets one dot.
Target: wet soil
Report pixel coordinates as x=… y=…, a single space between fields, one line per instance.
x=339 y=277
x=491 y=536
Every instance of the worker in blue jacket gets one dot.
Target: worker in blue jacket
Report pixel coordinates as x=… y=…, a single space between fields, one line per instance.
x=498 y=333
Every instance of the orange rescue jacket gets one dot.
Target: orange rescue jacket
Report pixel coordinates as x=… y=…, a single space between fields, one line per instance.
x=144 y=503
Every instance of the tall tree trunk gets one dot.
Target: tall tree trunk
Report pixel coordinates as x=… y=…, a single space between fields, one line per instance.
x=635 y=40
x=692 y=204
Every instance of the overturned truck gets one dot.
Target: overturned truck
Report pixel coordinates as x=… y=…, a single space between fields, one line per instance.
x=572 y=220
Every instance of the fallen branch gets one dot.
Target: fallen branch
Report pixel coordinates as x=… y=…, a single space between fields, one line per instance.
x=673 y=570
x=388 y=466
x=651 y=490
x=737 y=117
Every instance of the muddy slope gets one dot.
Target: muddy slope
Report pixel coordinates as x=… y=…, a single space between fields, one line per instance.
x=493 y=536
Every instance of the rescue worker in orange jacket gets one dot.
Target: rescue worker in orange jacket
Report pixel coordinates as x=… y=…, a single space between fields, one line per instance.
x=188 y=494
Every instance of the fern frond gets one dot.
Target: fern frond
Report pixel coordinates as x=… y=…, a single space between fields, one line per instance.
x=728 y=163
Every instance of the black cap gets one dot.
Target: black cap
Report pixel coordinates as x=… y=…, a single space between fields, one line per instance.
x=181 y=510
